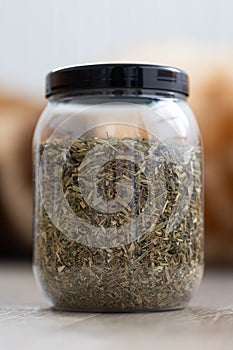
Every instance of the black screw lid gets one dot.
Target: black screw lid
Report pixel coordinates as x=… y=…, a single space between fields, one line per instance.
x=117 y=77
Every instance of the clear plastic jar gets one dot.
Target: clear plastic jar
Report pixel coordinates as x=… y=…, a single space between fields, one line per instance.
x=118 y=205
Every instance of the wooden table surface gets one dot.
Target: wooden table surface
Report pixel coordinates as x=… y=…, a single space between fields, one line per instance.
x=26 y=322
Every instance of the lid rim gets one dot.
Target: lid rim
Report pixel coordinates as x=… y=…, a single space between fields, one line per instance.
x=84 y=91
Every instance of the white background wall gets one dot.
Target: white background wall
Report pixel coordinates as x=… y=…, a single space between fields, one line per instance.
x=39 y=35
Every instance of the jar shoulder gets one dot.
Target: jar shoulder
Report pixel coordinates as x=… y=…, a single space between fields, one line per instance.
x=167 y=119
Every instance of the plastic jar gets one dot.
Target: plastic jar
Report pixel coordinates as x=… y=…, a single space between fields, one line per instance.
x=118 y=205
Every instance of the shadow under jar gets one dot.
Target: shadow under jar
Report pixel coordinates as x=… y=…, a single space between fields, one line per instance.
x=118 y=199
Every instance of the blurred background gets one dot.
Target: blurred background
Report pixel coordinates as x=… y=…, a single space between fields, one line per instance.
x=38 y=36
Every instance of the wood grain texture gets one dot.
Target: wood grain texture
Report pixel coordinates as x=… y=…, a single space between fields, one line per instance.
x=26 y=322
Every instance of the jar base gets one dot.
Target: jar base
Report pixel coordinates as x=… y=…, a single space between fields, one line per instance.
x=119 y=311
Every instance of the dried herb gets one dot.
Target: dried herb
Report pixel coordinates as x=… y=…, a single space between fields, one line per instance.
x=139 y=241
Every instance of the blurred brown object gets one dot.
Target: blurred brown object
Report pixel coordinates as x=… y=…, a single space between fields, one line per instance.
x=18 y=116
x=213 y=105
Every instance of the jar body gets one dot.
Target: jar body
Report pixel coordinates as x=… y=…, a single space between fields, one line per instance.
x=118 y=209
